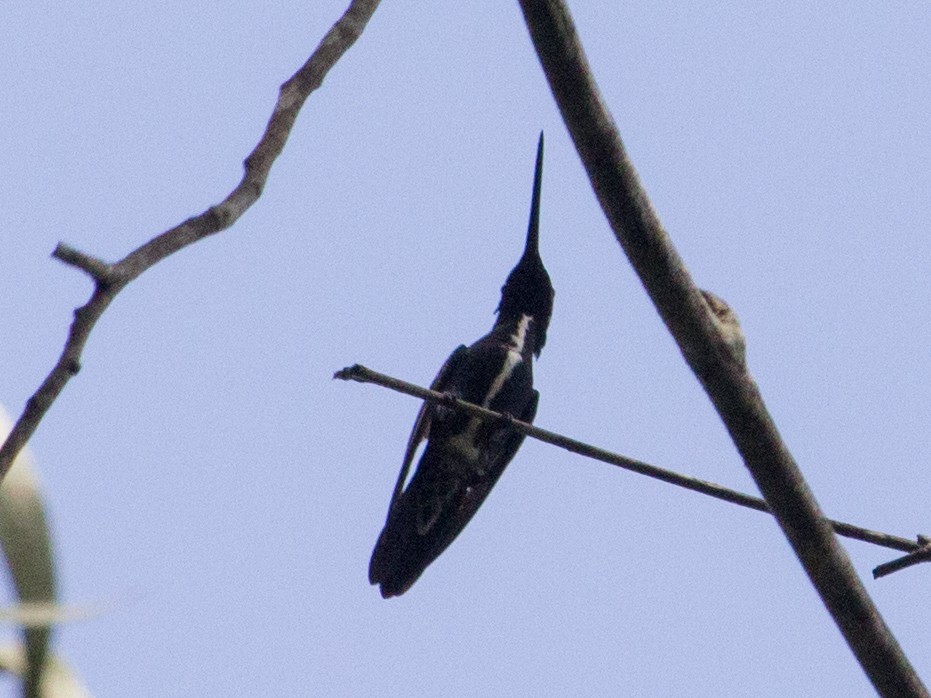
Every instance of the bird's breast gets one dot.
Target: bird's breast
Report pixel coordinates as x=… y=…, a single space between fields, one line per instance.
x=512 y=359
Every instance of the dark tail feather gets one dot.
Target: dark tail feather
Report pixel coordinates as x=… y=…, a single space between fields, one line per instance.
x=389 y=567
x=403 y=551
x=427 y=517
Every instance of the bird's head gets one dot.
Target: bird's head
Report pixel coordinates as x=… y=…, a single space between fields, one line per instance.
x=528 y=290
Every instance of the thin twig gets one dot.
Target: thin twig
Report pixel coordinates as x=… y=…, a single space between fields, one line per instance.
x=363 y=374
x=921 y=554
x=110 y=279
x=101 y=272
x=707 y=351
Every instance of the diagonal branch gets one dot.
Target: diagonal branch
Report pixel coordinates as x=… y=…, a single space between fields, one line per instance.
x=713 y=360
x=110 y=279
x=363 y=374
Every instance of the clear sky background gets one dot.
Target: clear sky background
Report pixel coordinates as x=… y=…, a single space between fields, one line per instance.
x=219 y=495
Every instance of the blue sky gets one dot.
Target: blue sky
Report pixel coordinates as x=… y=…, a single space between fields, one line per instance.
x=219 y=495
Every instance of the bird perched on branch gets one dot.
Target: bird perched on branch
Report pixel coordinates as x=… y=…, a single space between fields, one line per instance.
x=465 y=456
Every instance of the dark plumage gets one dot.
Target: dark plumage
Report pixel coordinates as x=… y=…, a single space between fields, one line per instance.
x=464 y=457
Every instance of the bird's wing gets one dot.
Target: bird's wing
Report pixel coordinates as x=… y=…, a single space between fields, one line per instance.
x=434 y=513
x=513 y=439
x=431 y=512
x=422 y=424
x=476 y=493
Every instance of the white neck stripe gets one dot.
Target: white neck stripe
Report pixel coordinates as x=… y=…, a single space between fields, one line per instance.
x=520 y=334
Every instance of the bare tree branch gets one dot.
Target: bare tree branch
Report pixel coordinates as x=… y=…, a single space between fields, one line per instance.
x=712 y=358
x=110 y=279
x=363 y=374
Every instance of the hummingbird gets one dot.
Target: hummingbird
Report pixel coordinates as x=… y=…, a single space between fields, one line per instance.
x=465 y=456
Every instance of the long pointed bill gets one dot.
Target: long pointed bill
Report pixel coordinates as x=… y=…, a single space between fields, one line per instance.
x=533 y=230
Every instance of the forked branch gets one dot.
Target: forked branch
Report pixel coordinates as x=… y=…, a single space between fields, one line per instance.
x=110 y=279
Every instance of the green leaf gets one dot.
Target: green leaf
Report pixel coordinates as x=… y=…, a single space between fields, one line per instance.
x=24 y=537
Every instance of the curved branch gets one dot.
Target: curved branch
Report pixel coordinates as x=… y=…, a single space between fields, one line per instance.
x=713 y=360
x=110 y=279
x=363 y=374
